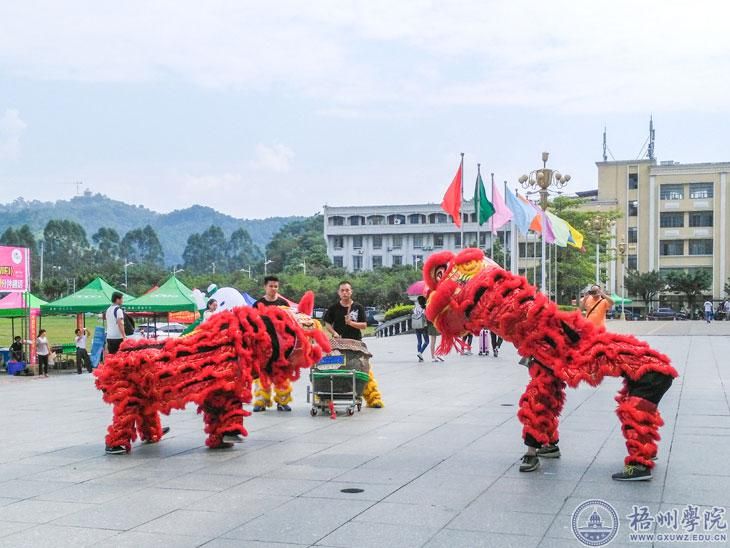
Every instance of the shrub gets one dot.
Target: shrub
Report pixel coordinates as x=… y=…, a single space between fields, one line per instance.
x=398 y=310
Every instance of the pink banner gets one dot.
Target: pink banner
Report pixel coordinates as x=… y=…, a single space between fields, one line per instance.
x=14 y=269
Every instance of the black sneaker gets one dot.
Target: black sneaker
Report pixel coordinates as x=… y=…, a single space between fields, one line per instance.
x=223 y=445
x=233 y=438
x=284 y=407
x=549 y=451
x=633 y=472
x=116 y=450
x=165 y=430
x=530 y=463
x=496 y=352
x=258 y=408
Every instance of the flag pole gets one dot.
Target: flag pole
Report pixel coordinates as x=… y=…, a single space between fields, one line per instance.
x=461 y=209
x=491 y=231
x=477 y=199
x=504 y=235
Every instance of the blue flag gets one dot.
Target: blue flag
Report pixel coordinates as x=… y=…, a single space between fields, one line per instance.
x=522 y=213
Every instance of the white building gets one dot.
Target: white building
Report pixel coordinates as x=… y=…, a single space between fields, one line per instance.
x=368 y=237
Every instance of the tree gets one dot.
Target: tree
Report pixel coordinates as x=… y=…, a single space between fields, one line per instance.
x=645 y=284
x=142 y=246
x=241 y=250
x=205 y=250
x=66 y=245
x=107 y=244
x=297 y=242
x=690 y=284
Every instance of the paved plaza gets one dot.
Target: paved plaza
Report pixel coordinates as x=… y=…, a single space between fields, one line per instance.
x=437 y=467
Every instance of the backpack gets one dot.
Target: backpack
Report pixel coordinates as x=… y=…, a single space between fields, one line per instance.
x=128 y=322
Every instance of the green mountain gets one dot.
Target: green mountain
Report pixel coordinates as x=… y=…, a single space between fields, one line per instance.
x=93 y=211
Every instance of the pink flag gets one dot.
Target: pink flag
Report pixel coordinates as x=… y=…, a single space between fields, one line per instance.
x=502 y=214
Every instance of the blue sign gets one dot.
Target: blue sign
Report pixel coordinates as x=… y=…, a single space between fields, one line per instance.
x=97 y=345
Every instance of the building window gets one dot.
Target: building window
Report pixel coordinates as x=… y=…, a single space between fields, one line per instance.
x=397 y=260
x=457 y=239
x=417 y=219
x=632 y=262
x=357 y=242
x=437 y=218
x=396 y=219
x=397 y=242
x=337 y=261
x=633 y=231
x=357 y=220
x=438 y=240
x=700 y=218
x=671 y=192
x=377 y=261
x=633 y=181
x=671 y=220
x=417 y=241
x=377 y=242
x=471 y=239
x=338 y=242
x=376 y=220
x=482 y=239
x=700 y=247
x=700 y=190
x=671 y=247
x=337 y=221
x=633 y=209
x=356 y=263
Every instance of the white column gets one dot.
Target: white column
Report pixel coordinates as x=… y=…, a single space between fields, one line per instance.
x=723 y=232
x=653 y=225
x=612 y=273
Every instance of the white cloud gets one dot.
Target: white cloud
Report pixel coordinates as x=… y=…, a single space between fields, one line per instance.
x=276 y=158
x=576 y=56
x=11 y=128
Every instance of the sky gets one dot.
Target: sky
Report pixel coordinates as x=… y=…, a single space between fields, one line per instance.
x=262 y=108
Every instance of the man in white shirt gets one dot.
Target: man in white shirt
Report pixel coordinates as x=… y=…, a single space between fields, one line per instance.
x=115 y=323
x=708 y=310
x=82 y=356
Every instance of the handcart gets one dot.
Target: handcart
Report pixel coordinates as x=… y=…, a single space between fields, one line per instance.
x=339 y=379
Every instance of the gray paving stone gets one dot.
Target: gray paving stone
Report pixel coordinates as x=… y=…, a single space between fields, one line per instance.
x=195 y=523
x=333 y=490
x=407 y=514
x=10 y=527
x=40 y=511
x=135 y=539
x=46 y=535
x=449 y=538
x=378 y=535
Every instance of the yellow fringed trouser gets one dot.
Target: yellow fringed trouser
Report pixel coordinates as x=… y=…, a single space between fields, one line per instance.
x=262 y=394
x=371 y=393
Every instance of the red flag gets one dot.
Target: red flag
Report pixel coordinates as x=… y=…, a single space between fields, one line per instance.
x=451 y=203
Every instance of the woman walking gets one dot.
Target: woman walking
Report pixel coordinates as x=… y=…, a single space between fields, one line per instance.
x=43 y=350
x=419 y=323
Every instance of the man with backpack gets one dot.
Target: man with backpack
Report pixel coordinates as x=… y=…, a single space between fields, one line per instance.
x=115 y=332
x=595 y=304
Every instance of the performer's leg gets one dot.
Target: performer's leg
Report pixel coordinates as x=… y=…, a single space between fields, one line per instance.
x=371 y=394
x=123 y=429
x=262 y=395
x=540 y=407
x=640 y=422
x=223 y=415
x=150 y=428
x=282 y=397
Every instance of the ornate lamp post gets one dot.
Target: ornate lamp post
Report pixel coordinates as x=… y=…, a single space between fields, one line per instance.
x=542 y=180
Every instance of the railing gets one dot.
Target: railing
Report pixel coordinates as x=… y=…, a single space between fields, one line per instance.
x=396 y=326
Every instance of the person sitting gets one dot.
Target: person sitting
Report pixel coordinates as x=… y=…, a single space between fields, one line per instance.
x=16 y=350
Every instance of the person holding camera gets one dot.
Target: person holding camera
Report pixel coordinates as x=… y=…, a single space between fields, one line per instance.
x=595 y=304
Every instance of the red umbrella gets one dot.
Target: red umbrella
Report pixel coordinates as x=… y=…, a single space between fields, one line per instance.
x=417 y=288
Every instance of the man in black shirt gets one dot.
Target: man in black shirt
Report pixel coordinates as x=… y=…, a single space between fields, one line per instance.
x=345 y=318
x=262 y=392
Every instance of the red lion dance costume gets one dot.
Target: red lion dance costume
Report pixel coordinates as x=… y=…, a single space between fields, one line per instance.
x=214 y=367
x=469 y=292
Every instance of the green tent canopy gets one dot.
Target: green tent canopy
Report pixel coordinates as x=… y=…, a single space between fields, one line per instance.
x=14 y=305
x=172 y=296
x=96 y=297
x=620 y=300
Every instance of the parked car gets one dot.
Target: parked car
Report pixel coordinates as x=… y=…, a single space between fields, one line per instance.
x=370 y=313
x=666 y=313
x=170 y=330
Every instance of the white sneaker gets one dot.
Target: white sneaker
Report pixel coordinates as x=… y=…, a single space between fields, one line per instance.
x=233 y=438
x=420 y=357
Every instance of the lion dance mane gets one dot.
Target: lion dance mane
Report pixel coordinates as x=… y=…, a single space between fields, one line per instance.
x=469 y=292
x=213 y=367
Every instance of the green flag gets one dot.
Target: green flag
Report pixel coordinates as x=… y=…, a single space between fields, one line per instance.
x=483 y=207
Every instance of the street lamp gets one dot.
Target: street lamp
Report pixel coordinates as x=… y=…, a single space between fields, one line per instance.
x=541 y=180
x=416 y=260
x=126 y=264
x=212 y=265
x=247 y=270
x=303 y=264
x=266 y=262
x=176 y=270
x=598 y=226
